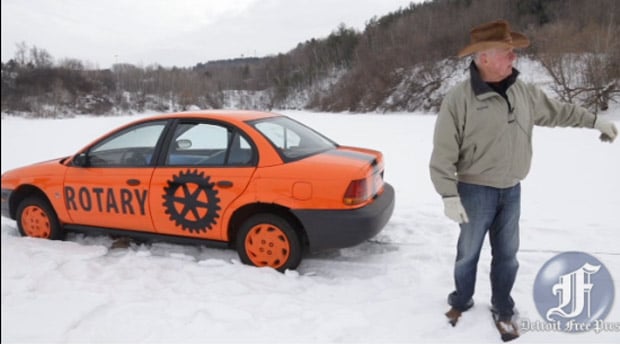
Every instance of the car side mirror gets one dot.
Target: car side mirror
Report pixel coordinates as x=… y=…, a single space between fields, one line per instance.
x=80 y=160
x=183 y=144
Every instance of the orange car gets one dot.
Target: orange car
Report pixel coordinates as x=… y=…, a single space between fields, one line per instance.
x=261 y=182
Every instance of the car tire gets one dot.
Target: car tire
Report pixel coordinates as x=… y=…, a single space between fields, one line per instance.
x=269 y=240
x=36 y=218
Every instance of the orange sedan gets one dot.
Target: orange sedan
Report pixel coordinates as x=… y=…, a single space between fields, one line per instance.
x=259 y=182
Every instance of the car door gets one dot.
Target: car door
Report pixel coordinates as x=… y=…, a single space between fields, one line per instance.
x=111 y=188
x=204 y=168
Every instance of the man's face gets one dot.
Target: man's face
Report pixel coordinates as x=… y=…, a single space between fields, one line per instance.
x=497 y=63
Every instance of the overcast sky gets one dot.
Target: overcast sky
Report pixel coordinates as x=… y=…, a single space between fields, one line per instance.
x=177 y=32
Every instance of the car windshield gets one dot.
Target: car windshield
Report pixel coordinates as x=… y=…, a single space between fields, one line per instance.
x=292 y=139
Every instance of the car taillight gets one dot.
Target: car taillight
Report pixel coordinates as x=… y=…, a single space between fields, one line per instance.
x=357 y=192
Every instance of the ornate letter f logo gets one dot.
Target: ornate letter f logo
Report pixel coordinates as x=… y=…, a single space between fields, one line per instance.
x=573 y=292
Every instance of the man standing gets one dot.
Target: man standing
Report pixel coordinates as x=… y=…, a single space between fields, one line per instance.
x=482 y=150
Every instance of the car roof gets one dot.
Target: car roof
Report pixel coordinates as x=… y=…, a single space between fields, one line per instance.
x=224 y=115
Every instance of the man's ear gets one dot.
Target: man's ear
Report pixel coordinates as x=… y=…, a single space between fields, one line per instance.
x=484 y=58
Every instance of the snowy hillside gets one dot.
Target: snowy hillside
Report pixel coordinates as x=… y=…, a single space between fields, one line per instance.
x=428 y=96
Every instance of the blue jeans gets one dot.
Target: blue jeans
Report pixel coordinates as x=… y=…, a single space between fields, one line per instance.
x=496 y=210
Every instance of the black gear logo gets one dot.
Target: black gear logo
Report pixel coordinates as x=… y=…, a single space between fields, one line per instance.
x=191 y=201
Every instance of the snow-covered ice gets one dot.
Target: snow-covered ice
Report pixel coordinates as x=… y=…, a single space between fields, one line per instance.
x=389 y=290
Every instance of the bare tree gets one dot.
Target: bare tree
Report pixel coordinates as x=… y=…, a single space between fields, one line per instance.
x=583 y=60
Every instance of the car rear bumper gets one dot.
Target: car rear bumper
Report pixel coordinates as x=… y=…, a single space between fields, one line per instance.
x=345 y=228
x=4 y=204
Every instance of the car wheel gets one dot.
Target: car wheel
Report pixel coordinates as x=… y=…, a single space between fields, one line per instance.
x=269 y=240
x=36 y=218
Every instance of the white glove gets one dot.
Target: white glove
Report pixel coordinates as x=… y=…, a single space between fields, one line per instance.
x=608 y=130
x=454 y=210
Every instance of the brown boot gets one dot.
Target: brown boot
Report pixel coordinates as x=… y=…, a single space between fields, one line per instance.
x=453 y=316
x=506 y=326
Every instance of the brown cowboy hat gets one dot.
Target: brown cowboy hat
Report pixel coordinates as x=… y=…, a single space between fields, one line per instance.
x=495 y=34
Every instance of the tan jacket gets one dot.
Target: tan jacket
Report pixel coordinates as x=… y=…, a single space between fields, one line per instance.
x=482 y=138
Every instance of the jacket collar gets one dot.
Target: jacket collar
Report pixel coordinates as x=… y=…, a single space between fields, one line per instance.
x=480 y=86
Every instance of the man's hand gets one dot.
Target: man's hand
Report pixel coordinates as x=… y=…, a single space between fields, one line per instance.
x=608 y=130
x=454 y=210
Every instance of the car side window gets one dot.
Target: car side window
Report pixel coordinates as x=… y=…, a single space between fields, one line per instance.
x=207 y=144
x=292 y=139
x=281 y=136
x=131 y=147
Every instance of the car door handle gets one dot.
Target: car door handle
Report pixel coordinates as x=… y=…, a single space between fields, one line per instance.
x=133 y=182
x=224 y=184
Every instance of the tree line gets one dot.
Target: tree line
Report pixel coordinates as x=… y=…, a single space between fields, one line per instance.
x=397 y=63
